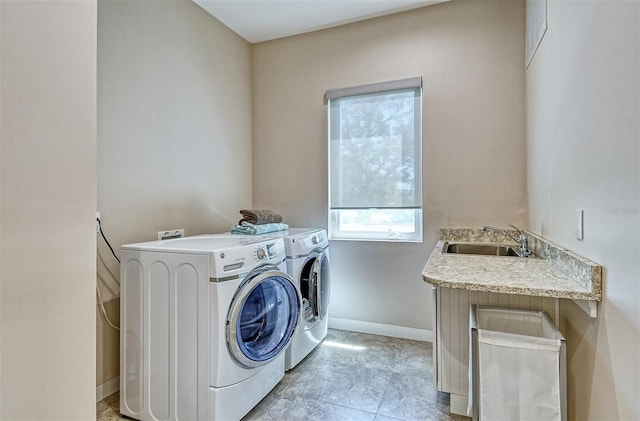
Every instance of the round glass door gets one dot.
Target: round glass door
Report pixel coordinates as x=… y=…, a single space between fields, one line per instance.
x=263 y=316
x=315 y=286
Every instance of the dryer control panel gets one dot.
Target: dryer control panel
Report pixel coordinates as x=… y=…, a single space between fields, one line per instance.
x=316 y=239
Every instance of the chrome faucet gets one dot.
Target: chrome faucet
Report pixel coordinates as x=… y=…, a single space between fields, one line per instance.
x=521 y=240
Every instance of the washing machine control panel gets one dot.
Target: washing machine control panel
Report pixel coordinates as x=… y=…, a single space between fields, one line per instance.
x=269 y=251
x=240 y=258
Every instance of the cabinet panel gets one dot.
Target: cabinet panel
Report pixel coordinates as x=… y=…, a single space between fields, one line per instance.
x=451 y=325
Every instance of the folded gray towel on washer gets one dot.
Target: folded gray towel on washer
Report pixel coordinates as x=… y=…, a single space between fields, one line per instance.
x=260 y=216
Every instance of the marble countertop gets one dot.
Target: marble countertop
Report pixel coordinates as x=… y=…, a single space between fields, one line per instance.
x=559 y=273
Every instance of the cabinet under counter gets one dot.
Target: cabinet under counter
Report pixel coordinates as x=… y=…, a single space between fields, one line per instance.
x=451 y=334
x=460 y=280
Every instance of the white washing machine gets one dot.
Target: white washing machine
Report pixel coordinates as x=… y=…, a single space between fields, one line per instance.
x=205 y=322
x=307 y=251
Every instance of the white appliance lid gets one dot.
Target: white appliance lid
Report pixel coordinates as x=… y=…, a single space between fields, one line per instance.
x=205 y=243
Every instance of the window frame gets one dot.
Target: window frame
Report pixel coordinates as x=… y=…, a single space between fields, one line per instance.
x=336 y=229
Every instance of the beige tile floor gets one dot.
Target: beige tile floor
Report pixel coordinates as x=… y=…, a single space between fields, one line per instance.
x=350 y=376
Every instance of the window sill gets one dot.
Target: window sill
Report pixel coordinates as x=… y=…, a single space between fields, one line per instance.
x=375 y=240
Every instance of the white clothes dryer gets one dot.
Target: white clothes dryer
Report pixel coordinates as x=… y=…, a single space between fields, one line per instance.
x=205 y=322
x=307 y=251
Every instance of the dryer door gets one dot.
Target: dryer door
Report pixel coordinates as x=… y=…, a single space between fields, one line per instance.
x=263 y=316
x=315 y=286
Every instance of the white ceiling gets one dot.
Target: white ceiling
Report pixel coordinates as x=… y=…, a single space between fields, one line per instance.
x=263 y=20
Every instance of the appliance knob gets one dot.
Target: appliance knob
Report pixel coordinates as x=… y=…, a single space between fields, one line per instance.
x=314 y=240
x=261 y=253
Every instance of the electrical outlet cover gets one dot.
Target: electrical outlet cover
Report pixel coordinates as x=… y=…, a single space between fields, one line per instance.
x=170 y=234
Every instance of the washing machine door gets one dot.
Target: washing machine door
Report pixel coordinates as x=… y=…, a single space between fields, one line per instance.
x=315 y=285
x=263 y=316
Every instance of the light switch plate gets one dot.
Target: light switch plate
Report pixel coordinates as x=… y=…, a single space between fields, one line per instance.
x=579 y=224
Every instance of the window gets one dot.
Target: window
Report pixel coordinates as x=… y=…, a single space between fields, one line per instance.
x=375 y=161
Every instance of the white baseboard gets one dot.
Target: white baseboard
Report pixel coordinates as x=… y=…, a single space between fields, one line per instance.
x=458 y=404
x=403 y=332
x=107 y=388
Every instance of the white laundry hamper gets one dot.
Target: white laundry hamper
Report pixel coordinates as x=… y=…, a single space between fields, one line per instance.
x=517 y=366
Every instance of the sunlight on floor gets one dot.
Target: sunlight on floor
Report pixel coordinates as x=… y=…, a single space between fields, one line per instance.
x=345 y=346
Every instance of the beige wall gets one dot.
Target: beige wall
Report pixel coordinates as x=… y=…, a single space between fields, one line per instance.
x=48 y=199
x=583 y=113
x=174 y=132
x=470 y=55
